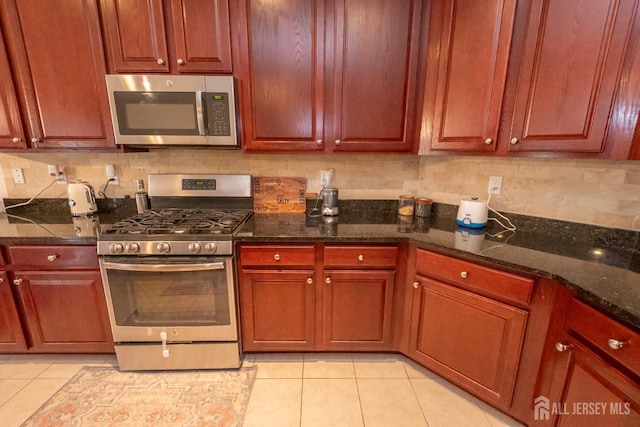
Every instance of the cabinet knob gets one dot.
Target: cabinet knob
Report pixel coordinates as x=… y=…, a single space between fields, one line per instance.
x=17 y=282
x=16 y=140
x=180 y=61
x=488 y=141
x=514 y=141
x=360 y=257
x=52 y=257
x=35 y=140
x=416 y=285
x=309 y=280
x=328 y=280
x=615 y=344
x=1 y=281
x=561 y=347
x=463 y=274
x=276 y=257
x=338 y=142
x=160 y=61
x=319 y=142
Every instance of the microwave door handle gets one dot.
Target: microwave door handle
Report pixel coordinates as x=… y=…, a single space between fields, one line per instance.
x=164 y=267
x=200 y=112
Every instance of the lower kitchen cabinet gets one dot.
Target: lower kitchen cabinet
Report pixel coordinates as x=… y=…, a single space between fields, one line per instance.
x=285 y=307
x=60 y=302
x=462 y=329
x=11 y=333
x=594 y=369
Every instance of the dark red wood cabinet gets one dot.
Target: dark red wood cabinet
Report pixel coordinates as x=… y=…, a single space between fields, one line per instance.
x=162 y=36
x=565 y=62
x=12 y=133
x=12 y=338
x=331 y=76
x=59 y=74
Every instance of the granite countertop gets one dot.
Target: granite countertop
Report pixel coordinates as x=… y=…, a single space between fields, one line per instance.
x=601 y=265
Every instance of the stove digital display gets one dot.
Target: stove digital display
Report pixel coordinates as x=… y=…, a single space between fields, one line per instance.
x=198 y=184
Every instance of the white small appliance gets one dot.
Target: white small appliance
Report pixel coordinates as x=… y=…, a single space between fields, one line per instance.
x=82 y=199
x=472 y=213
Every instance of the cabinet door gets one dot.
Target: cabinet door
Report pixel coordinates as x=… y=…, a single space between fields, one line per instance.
x=277 y=310
x=59 y=71
x=573 y=55
x=357 y=309
x=11 y=131
x=66 y=310
x=584 y=380
x=11 y=334
x=471 y=340
x=474 y=41
x=202 y=35
x=135 y=35
x=283 y=95
x=374 y=80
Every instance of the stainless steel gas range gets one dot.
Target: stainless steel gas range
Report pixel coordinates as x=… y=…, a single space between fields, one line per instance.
x=169 y=278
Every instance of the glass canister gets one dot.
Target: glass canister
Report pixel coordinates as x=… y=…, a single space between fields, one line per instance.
x=406 y=205
x=423 y=207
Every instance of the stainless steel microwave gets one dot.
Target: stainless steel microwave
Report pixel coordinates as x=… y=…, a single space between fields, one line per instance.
x=173 y=110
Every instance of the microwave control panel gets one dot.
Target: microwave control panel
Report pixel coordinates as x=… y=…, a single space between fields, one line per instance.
x=218 y=115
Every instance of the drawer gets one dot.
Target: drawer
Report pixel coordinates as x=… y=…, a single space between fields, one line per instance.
x=276 y=256
x=598 y=329
x=360 y=256
x=54 y=257
x=472 y=276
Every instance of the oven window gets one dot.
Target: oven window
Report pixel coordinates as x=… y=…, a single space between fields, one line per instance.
x=156 y=113
x=194 y=298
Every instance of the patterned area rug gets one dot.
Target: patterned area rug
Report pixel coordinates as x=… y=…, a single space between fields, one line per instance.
x=102 y=396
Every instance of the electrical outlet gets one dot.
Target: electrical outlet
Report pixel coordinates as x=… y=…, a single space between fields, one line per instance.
x=495 y=185
x=18 y=177
x=112 y=176
x=57 y=173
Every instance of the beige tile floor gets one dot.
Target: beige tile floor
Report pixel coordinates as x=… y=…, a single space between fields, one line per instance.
x=291 y=389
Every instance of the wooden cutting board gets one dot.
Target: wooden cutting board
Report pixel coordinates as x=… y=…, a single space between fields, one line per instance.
x=279 y=194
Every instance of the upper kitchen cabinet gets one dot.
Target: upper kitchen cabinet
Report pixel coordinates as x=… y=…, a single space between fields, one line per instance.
x=330 y=76
x=529 y=77
x=162 y=36
x=58 y=73
x=11 y=130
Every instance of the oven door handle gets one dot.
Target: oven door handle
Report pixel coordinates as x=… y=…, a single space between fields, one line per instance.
x=164 y=267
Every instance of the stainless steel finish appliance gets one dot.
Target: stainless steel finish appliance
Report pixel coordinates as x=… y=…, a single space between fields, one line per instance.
x=173 y=110
x=169 y=278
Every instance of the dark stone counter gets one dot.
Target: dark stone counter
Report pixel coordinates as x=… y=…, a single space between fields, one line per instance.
x=601 y=265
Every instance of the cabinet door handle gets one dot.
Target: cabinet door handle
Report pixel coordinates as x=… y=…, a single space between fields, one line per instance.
x=17 y=282
x=276 y=257
x=160 y=61
x=514 y=141
x=561 y=347
x=615 y=344
x=360 y=257
x=35 y=140
x=416 y=285
x=52 y=257
x=319 y=142
x=309 y=280
x=464 y=274
x=328 y=280
x=1 y=281
x=488 y=141
x=180 y=61
x=16 y=140
x=338 y=142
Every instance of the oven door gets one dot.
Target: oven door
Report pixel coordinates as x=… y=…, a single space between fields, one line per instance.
x=170 y=299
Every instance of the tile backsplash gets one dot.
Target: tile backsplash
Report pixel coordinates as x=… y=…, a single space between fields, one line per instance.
x=598 y=192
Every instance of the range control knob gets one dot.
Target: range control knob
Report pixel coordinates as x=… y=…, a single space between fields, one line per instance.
x=115 y=248
x=132 y=248
x=211 y=247
x=163 y=247
x=194 y=248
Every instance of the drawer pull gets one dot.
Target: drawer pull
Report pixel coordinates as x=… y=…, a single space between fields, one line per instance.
x=276 y=257
x=52 y=257
x=561 y=347
x=416 y=285
x=360 y=257
x=463 y=274
x=17 y=282
x=309 y=280
x=615 y=344
x=328 y=280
